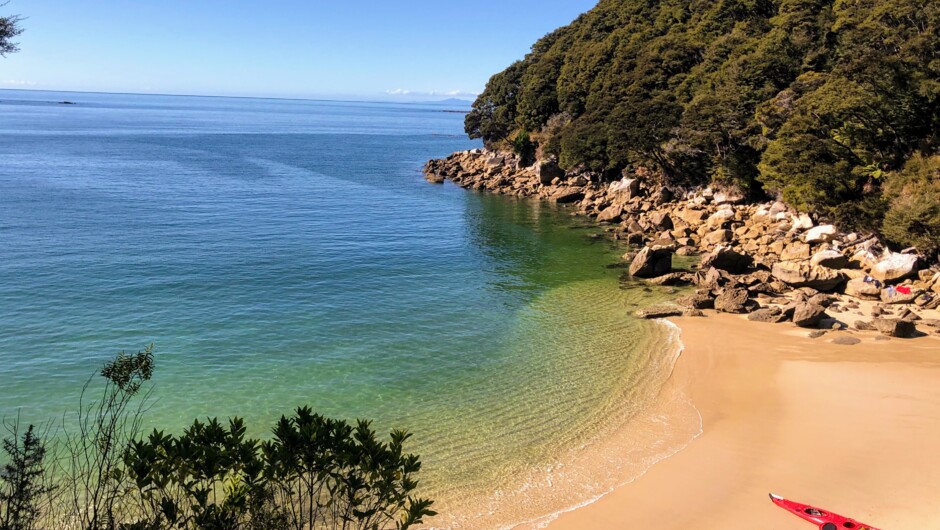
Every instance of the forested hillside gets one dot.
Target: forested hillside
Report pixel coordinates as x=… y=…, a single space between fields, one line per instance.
x=833 y=104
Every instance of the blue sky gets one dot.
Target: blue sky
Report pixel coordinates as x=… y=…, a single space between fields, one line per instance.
x=414 y=49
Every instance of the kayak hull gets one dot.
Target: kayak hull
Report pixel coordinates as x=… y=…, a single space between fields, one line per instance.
x=823 y=519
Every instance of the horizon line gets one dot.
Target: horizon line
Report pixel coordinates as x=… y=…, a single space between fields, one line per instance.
x=279 y=98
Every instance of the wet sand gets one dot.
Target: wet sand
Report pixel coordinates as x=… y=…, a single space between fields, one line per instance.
x=855 y=429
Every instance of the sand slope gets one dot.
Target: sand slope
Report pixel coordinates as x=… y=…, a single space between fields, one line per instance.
x=855 y=429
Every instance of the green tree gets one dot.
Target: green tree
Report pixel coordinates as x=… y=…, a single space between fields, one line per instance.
x=913 y=218
x=9 y=29
x=23 y=485
x=815 y=100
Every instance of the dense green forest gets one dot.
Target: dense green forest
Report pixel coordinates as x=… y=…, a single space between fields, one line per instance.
x=823 y=102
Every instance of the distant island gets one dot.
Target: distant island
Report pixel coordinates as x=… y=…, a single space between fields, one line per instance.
x=454 y=101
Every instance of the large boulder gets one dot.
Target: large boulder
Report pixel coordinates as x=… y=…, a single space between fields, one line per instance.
x=692 y=217
x=567 y=195
x=893 y=327
x=820 y=234
x=662 y=196
x=808 y=315
x=496 y=162
x=699 y=300
x=859 y=288
x=795 y=251
x=863 y=259
x=661 y=220
x=710 y=279
x=831 y=259
x=718 y=237
x=728 y=197
x=652 y=262
x=610 y=214
x=626 y=188
x=725 y=259
x=549 y=170
x=893 y=267
x=732 y=301
x=434 y=178
x=804 y=274
x=720 y=217
x=803 y=222
x=892 y=296
x=773 y=315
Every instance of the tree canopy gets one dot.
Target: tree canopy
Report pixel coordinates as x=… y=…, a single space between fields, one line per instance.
x=815 y=100
x=9 y=29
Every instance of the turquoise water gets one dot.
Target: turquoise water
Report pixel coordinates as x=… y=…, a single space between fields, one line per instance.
x=282 y=253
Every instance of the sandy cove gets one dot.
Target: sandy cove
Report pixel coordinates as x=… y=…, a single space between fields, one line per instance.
x=855 y=429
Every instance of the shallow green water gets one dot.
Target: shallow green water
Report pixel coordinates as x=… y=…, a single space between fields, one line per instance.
x=284 y=253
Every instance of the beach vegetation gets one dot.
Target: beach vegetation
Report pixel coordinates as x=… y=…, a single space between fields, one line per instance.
x=23 y=479
x=103 y=473
x=913 y=215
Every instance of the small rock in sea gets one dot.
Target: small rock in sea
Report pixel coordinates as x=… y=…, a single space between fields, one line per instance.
x=846 y=341
x=659 y=312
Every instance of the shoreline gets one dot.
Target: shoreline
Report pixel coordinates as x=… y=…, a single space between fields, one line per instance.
x=623 y=445
x=863 y=421
x=671 y=401
x=862 y=320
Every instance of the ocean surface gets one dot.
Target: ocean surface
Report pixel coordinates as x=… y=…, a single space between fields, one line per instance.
x=282 y=253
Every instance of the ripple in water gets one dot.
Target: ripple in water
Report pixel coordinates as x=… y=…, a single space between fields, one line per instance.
x=285 y=253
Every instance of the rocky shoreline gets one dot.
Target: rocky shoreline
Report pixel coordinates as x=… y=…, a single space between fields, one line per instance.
x=764 y=259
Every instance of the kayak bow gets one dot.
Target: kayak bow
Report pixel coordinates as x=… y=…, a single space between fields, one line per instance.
x=823 y=519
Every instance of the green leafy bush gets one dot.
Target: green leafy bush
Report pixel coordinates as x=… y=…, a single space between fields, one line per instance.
x=313 y=473
x=913 y=219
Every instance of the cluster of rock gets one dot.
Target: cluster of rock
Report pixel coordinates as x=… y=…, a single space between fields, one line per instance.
x=764 y=259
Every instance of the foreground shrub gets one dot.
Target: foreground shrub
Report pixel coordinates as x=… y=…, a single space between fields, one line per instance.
x=23 y=489
x=314 y=472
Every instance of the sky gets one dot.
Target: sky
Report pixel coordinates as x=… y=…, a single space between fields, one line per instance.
x=333 y=49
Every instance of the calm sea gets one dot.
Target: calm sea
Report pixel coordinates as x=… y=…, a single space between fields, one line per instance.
x=283 y=253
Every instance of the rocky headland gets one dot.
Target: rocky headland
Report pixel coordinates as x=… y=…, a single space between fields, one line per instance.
x=763 y=259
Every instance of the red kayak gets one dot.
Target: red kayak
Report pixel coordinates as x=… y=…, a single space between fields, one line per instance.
x=821 y=518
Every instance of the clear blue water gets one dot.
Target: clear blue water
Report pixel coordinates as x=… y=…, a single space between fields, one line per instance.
x=282 y=253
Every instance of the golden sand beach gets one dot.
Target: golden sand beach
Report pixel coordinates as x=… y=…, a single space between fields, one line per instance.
x=854 y=429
